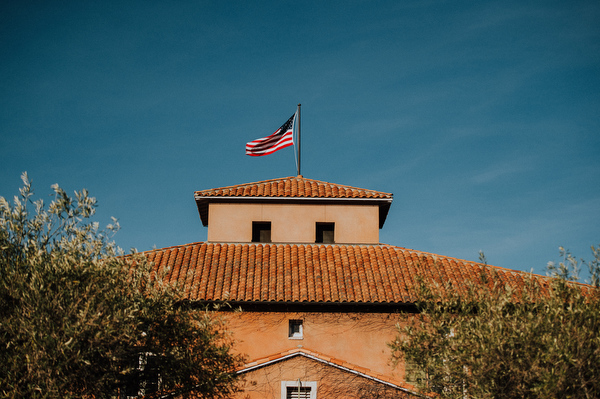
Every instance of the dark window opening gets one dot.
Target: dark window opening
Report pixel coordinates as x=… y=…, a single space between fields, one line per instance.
x=325 y=233
x=261 y=231
x=296 y=330
x=143 y=378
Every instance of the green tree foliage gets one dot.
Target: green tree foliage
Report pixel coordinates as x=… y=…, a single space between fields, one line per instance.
x=485 y=340
x=78 y=319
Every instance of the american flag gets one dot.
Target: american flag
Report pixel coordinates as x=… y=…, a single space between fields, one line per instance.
x=283 y=137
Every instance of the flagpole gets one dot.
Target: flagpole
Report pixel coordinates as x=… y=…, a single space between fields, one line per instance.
x=299 y=174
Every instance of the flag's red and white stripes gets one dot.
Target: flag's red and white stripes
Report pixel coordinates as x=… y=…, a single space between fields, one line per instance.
x=283 y=137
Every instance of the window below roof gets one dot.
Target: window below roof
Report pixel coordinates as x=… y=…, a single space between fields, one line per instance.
x=298 y=389
x=325 y=233
x=261 y=231
x=296 y=330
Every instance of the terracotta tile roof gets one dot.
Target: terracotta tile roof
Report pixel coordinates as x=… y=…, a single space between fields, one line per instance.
x=341 y=364
x=294 y=187
x=313 y=273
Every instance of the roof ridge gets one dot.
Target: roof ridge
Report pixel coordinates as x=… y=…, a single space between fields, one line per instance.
x=247 y=184
x=300 y=179
x=337 y=184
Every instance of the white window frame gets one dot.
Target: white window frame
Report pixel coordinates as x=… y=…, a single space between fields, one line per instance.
x=298 y=335
x=294 y=384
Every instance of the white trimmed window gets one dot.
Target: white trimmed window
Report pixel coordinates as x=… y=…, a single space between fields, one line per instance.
x=298 y=389
x=296 y=330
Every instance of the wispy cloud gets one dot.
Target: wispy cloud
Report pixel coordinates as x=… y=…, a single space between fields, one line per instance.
x=500 y=170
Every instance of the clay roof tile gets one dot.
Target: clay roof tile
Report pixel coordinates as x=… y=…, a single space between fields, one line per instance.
x=319 y=273
x=296 y=187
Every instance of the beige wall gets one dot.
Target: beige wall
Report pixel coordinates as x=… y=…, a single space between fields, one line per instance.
x=354 y=224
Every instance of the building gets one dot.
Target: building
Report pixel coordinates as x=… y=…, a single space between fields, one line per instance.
x=321 y=296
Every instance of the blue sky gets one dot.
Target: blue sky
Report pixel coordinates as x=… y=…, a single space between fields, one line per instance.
x=482 y=118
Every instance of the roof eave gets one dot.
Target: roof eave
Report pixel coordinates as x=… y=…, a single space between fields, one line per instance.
x=311 y=306
x=202 y=203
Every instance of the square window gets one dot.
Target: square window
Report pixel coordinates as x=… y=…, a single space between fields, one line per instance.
x=261 y=231
x=325 y=233
x=296 y=330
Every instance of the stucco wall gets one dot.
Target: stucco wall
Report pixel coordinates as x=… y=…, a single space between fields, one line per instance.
x=354 y=224
x=357 y=338
x=327 y=381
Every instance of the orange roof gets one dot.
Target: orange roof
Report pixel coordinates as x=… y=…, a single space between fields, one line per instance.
x=293 y=188
x=313 y=273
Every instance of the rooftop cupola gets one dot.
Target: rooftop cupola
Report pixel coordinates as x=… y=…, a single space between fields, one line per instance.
x=293 y=210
